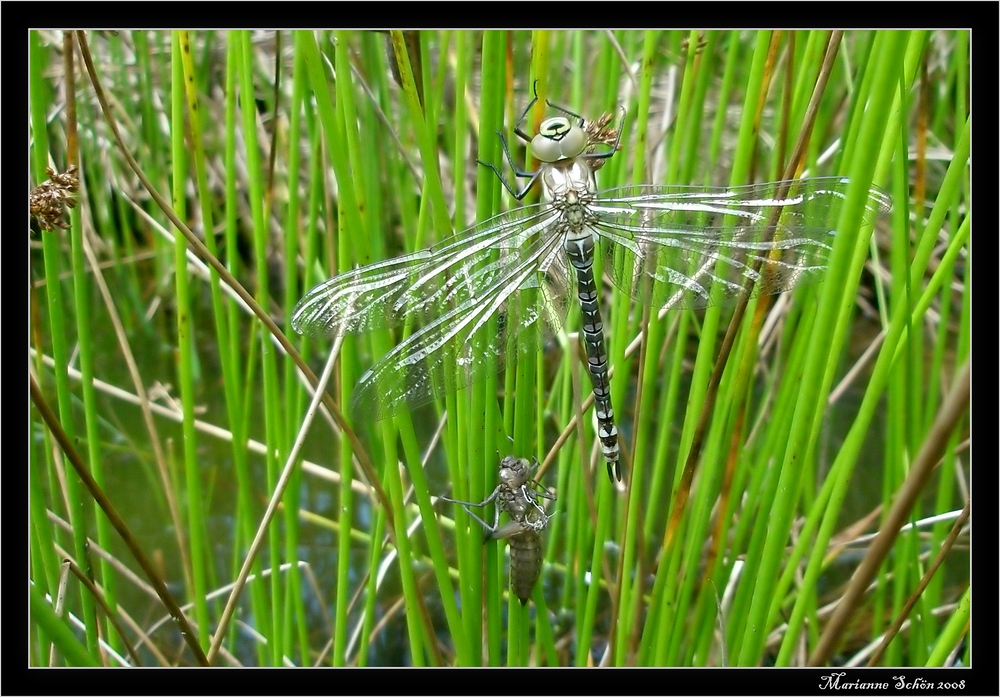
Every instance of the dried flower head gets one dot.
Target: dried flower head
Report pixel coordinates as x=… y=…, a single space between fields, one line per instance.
x=600 y=132
x=49 y=200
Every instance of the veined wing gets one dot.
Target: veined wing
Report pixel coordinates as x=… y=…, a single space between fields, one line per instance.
x=424 y=285
x=696 y=246
x=524 y=289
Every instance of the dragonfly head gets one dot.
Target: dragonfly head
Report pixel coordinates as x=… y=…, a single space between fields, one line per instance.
x=514 y=472
x=558 y=139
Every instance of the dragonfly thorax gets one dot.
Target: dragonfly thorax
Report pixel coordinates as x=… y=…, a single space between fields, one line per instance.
x=558 y=139
x=561 y=179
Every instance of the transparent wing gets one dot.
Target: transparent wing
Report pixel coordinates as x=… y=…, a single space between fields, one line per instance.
x=524 y=292
x=424 y=285
x=695 y=247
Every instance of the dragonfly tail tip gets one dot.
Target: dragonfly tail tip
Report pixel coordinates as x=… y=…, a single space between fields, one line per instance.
x=614 y=472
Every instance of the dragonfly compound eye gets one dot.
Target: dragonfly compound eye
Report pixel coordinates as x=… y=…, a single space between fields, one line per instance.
x=558 y=139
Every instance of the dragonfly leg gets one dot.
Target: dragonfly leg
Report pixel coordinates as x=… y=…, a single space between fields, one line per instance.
x=489 y=499
x=517 y=126
x=509 y=530
x=542 y=491
x=566 y=111
x=537 y=486
x=519 y=195
x=485 y=502
x=490 y=529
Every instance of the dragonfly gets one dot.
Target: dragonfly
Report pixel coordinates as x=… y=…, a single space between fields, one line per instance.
x=518 y=495
x=484 y=298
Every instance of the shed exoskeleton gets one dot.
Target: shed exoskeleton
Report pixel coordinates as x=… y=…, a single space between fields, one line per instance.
x=518 y=495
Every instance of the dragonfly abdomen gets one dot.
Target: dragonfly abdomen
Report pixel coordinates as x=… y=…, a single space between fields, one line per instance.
x=525 y=562
x=525 y=543
x=580 y=251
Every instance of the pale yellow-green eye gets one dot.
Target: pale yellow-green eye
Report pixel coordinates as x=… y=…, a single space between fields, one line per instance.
x=558 y=139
